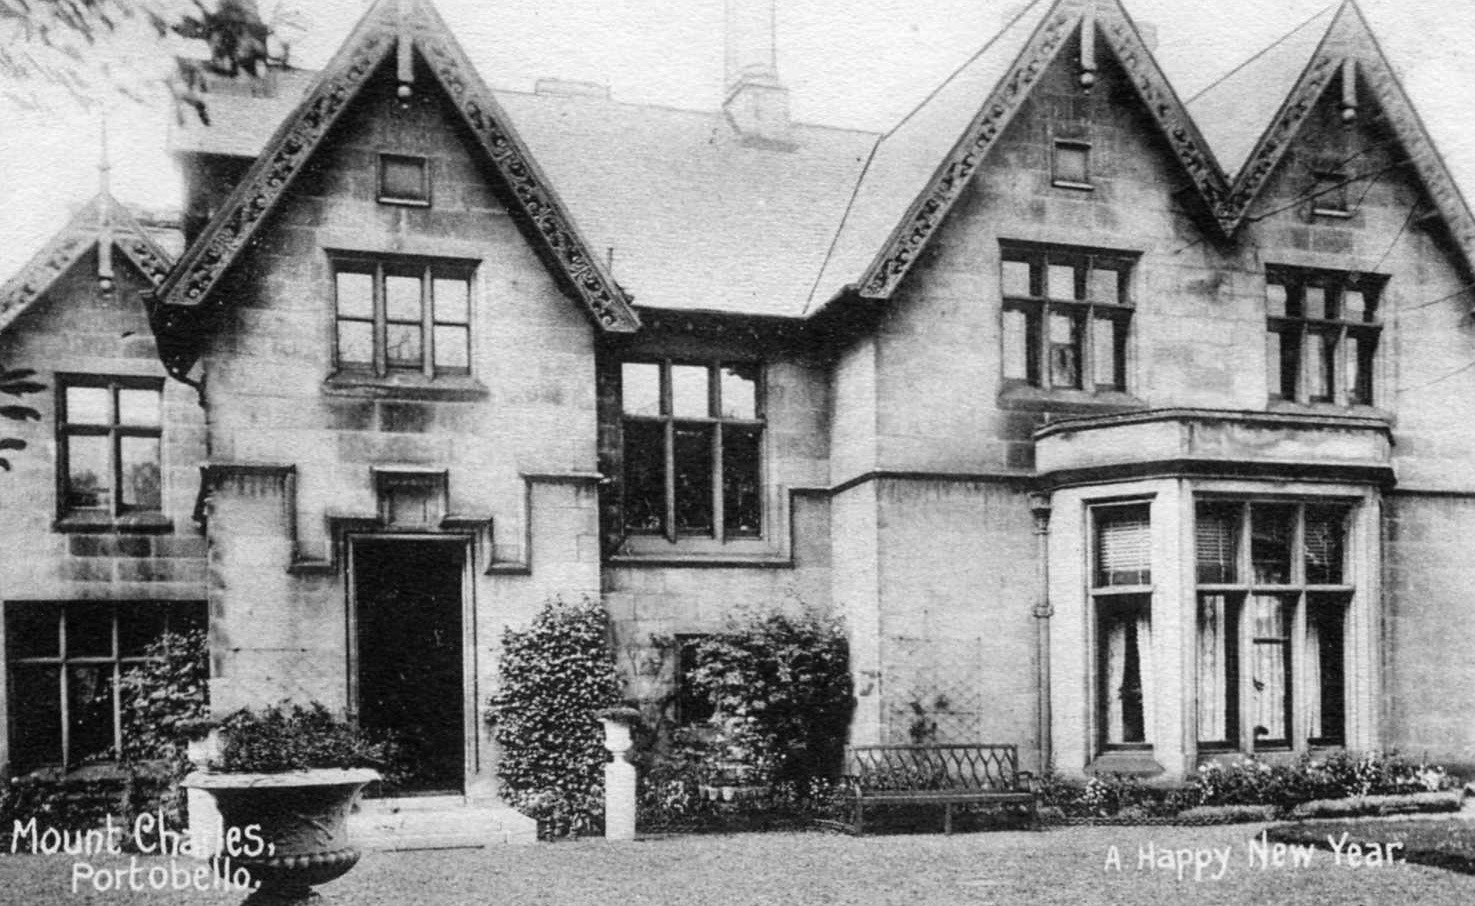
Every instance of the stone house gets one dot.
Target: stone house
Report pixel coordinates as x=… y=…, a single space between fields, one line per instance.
x=1123 y=429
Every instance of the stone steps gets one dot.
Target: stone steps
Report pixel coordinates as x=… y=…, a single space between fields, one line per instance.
x=436 y=822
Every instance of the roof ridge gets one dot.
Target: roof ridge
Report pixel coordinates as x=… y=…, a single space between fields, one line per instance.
x=1330 y=7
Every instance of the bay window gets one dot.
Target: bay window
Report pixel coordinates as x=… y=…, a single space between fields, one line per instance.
x=1274 y=589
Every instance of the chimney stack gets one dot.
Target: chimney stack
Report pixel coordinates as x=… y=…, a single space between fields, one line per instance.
x=756 y=102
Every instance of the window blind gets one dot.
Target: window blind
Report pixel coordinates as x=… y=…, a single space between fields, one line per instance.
x=1324 y=537
x=1216 y=539
x=1123 y=546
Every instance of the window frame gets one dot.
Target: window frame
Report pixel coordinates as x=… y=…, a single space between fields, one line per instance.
x=1060 y=181
x=716 y=424
x=116 y=662
x=1087 y=313
x=1300 y=598
x=115 y=431
x=1351 y=382
x=1110 y=601
x=386 y=158
x=428 y=271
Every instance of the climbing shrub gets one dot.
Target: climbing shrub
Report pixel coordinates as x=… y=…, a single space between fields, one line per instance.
x=553 y=679
x=781 y=687
x=165 y=702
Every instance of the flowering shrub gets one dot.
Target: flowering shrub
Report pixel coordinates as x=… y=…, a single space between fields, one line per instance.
x=554 y=678
x=1252 y=781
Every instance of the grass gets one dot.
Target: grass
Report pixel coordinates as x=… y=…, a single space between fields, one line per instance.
x=1445 y=843
x=1057 y=866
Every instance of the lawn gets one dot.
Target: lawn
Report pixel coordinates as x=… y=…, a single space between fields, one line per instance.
x=1448 y=843
x=1064 y=865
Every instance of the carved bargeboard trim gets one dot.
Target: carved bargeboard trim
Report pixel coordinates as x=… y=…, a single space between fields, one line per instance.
x=607 y=303
x=283 y=158
x=1451 y=203
x=1281 y=133
x=73 y=241
x=1157 y=95
x=931 y=207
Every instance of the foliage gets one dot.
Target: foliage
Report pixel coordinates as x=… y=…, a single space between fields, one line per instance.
x=165 y=704
x=61 y=43
x=554 y=677
x=672 y=796
x=1340 y=775
x=291 y=737
x=782 y=694
x=17 y=382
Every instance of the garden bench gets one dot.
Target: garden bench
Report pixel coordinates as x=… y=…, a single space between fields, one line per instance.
x=941 y=774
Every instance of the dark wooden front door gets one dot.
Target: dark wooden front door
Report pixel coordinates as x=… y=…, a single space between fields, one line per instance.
x=408 y=600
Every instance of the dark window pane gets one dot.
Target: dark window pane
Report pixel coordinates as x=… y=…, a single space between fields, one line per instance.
x=1272 y=526
x=689 y=391
x=1360 y=351
x=89 y=630
x=355 y=343
x=89 y=406
x=89 y=473
x=1325 y=670
x=1065 y=348
x=141 y=472
x=403 y=178
x=645 y=476
x=739 y=391
x=89 y=713
x=35 y=717
x=403 y=345
x=452 y=348
x=640 y=388
x=452 y=300
x=402 y=298
x=1326 y=543
x=185 y=616
x=1321 y=353
x=1285 y=362
x=139 y=408
x=693 y=479
x=741 y=485
x=1109 y=351
x=1216 y=539
x=33 y=630
x=355 y=295
x=1016 y=276
x=1072 y=163
x=138 y=625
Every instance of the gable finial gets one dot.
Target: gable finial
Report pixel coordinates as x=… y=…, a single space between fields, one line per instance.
x=1349 y=90
x=404 y=61
x=1088 y=47
x=104 y=212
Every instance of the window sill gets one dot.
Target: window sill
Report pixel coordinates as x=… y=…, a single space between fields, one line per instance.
x=1127 y=762
x=649 y=550
x=448 y=388
x=139 y=523
x=1356 y=410
x=1025 y=397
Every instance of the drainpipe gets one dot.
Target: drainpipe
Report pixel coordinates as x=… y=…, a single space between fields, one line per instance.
x=1039 y=508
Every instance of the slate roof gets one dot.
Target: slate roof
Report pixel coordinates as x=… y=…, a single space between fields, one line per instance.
x=699 y=221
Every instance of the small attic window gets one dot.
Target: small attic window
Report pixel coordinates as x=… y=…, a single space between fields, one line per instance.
x=1071 y=165
x=1329 y=197
x=404 y=179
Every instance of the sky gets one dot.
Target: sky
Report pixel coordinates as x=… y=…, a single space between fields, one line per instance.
x=854 y=63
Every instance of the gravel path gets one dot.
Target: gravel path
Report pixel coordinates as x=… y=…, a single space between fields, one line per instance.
x=1059 y=866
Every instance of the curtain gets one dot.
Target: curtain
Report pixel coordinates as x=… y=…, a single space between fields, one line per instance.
x=1116 y=673
x=1144 y=672
x=1268 y=677
x=1127 y=646
x=1213 y=667
x=1314 y=728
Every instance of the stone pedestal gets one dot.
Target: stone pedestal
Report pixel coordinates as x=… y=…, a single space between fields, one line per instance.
x=619 y=782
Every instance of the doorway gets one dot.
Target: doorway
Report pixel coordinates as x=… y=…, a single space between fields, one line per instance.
x=409 y=668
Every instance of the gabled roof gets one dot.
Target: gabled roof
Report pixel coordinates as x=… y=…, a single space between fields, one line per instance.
x=390 y=26
x=921 y=168
x=1349 y=48
x=101 y=219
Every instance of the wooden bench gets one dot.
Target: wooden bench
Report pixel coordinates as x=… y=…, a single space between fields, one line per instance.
x=943 y=774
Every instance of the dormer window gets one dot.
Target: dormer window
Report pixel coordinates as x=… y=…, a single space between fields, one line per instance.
x=404 y=179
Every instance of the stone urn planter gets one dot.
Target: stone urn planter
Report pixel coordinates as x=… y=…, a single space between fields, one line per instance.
x=300 y=836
